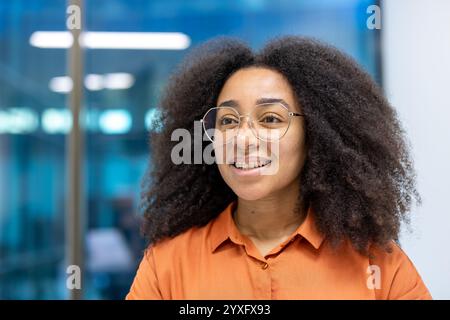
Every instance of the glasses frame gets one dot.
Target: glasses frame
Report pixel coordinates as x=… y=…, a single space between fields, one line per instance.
x=250 y=121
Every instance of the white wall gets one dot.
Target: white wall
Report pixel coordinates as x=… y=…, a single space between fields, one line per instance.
x=416 y=67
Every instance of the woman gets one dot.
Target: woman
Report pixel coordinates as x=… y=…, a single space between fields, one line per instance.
x=308 y=202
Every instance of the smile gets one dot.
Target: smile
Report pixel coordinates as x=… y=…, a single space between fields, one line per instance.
x=251 y=165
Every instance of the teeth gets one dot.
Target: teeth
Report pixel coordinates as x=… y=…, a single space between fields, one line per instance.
x=251 y=165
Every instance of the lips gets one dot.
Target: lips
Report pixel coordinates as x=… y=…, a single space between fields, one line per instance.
x=248 y=165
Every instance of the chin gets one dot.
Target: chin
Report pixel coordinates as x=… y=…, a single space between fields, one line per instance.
x=250 y=194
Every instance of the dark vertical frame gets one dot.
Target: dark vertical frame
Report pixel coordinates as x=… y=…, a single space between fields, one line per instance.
x=379 y=47
x=74 y=154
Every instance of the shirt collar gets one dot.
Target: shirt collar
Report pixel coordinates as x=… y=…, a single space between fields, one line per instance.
x=224 y=228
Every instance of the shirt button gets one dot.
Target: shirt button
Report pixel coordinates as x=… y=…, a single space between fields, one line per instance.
x=265 y=265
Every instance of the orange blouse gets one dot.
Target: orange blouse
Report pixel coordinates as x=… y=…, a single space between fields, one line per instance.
x=217 y=262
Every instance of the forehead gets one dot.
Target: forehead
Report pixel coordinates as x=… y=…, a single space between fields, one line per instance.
x=248 y=85
x=257 y=78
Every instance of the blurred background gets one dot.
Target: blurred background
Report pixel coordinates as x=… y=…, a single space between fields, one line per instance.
x=409 y=56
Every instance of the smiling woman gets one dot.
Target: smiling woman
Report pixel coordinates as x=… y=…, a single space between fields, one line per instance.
x=322 y=224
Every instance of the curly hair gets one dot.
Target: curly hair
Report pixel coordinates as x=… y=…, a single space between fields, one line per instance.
x=358 y=175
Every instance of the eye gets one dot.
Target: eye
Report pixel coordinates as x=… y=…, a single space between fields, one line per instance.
x=227 y=121
x=271 y=119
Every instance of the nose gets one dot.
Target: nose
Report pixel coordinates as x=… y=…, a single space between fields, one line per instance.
x=245 y=136
x=246 y=124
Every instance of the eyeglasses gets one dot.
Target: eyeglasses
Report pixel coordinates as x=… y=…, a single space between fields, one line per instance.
x=267 y=121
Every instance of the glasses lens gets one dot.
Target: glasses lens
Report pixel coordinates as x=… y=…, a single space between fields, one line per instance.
x=270 y=121
x=221 y=123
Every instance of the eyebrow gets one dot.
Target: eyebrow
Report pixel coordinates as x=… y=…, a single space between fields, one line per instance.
x=235 y=104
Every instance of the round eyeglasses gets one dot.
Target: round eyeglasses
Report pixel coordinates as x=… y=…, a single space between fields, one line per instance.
x=267 y=121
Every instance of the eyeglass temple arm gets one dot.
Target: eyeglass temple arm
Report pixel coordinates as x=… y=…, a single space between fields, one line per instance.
x=296 y=114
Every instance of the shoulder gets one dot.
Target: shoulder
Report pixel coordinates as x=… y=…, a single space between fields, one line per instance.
x=184 y=245
x=391 y=259
x=398 y=276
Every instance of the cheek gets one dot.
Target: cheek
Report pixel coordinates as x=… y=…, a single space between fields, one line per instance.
x=227 y=176
x=292 y=154
x=223 y=170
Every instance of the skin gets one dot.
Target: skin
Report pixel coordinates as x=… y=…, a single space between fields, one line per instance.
x=266 y=210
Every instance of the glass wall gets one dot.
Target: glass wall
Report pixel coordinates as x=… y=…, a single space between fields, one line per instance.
x=122 y=86
x=31 y=158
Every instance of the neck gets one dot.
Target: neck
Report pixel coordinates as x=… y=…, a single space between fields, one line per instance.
x=272 y=217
